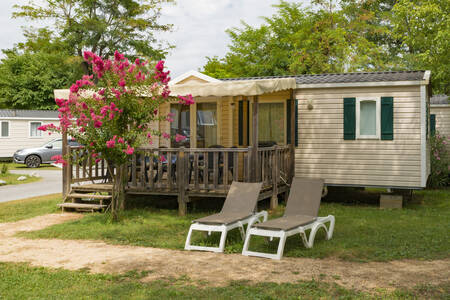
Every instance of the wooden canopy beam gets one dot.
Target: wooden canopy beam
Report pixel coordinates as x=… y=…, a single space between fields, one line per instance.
x=254 y=152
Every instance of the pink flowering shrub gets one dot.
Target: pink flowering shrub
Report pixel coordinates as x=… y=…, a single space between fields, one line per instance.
x=440 y=168
x=109 y=112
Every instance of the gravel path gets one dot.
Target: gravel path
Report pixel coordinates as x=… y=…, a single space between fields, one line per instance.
x=51 y=183
x=202 y=267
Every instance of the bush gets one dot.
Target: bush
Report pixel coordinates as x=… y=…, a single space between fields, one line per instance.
x=4 y=169
x=439 y=176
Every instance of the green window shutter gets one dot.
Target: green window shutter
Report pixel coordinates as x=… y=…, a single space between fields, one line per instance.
x=349 y=118
x=387 y=118
x=241 y=122
x=432 y=124
x=296 y=122
x=288 y=121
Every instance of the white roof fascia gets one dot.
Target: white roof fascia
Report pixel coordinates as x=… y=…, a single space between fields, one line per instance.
x=359 y=84
x=195 y=74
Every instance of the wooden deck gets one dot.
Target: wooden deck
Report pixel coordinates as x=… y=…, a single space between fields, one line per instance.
x=184 y=172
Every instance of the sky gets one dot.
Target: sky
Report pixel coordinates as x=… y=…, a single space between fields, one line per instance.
x=199 y=27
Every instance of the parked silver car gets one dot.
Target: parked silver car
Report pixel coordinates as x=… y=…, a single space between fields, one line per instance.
x=33 y=157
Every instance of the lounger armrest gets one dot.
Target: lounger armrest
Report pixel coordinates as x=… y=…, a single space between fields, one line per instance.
x=257 y=218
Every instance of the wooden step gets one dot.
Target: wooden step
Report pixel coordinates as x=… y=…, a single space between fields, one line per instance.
x=90 y=196
x=83 y=206
x=103 y=187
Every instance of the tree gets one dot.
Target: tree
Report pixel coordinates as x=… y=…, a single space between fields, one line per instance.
x=101 y=26
x=32 y=70
x=424 y=29
x=111 y=115
x=295 y=40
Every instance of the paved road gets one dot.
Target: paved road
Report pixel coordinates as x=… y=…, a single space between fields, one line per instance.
x=51 y=183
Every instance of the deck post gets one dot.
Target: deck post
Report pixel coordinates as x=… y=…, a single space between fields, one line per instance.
x=66 y=167
x=254 y=151
x=181 y=179
x=292 y=145
x=275 y=176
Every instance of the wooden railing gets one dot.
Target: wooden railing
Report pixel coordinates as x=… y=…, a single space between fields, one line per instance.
x=204 y=169
x=82 y=167
x=188 y=171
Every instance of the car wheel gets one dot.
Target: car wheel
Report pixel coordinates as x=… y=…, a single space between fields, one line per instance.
x=33 y=161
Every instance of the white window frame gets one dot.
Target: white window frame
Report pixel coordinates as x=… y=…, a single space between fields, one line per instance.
x=377 y=117
x=29 y=130
x=9 y=129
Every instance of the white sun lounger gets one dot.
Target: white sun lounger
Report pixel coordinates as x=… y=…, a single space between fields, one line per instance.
x=300 y=215
x=237 y=211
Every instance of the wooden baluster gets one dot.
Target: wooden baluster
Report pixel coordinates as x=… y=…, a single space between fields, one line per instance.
x=169 y=169
x=236 y=166
x=215 y=169
x=196 y=182
x=151 y=167
x=143 y=171
x=205 y=169
x=275 y=176
x=90 y=165
x=77 y=162
x=181 y=174
x=83 y=171
x=262 y=168
x=160 y=169
x=225 y=170
x=246 y=167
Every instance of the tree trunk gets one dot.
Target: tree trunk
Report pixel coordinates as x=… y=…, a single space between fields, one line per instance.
x=118 y=195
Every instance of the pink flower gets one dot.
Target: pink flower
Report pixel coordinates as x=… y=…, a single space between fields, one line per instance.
x=118 y=56
x=121 y=141
x=88 y=55
x=111 y=143
x=98 y=124
x=179 y=138
x=74 y=88
x=186 y=100
x=101 y=92
x=160 y=66
x=98 y=160
x=129 y=150
x=60 y=102
x=122 y=82
x=58 y=159
x=162 y=158
x=165 y=135
x=171 y=115
x=168 y=119
x=137 y=61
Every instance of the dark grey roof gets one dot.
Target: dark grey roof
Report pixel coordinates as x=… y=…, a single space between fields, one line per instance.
x=347 y=77
x=439 y=99
x=22 y=113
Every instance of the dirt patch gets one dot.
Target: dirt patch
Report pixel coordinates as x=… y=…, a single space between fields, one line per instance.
x=216 y=269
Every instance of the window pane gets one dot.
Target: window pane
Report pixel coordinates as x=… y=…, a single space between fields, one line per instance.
x=206 y=124
x=5 y=129
x=180 y=124
x=368 y=114
x=271 y=122
x=34 y=129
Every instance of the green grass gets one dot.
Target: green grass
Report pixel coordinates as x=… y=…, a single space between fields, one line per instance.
x=20 y=281
x=12 y=178
x=362 y=232
x=23 y=209
x=14 y=166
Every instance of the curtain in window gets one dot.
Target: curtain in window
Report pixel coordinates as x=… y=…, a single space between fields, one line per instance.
x=5 y=129
x=206 y=124
x=271 y=122
x=181 y=124
x=34 y=129
x=368 y=114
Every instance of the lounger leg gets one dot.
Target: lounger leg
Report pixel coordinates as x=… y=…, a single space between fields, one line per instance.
x=188 y=239
x=330 y=227
x=281 y=246
x=247 y=241
x=241 y=230
x=223 y=238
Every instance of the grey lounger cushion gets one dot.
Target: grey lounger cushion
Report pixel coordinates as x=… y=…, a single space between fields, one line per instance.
x=286 y=222
x=222 y=218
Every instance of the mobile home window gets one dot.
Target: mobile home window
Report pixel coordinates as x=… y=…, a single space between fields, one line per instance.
x=368 y=118
x=206 y=124
x=34 y=132
x=271 y=122
x=4 y=127
x=181 y=123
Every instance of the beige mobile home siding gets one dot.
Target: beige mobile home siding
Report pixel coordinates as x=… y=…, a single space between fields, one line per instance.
x=19 y=131
x=322 y=151
x=442 y=113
